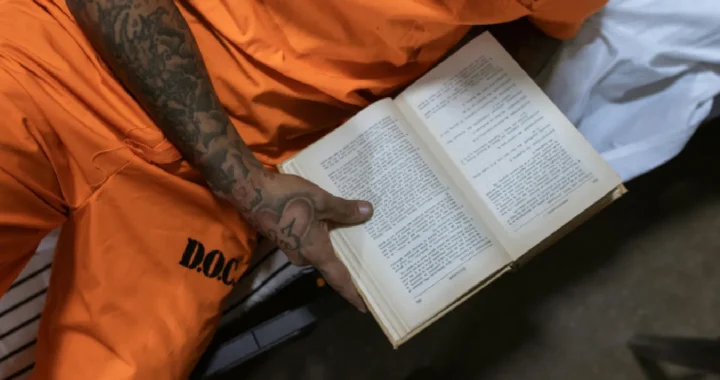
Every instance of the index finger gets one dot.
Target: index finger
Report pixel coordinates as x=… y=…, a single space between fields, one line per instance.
x=322 y=256
x=338 y=277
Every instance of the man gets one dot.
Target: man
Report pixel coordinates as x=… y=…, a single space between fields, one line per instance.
x=114 y=126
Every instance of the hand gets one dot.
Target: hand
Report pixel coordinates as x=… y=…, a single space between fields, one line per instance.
x=298 y=216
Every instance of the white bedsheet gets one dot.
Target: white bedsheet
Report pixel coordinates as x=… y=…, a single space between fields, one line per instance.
x=639 y=78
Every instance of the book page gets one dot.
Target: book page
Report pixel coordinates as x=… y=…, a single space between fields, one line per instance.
x=505 y=142
x=425 y=246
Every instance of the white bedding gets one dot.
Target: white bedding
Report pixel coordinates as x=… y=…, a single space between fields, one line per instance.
x=637 y=81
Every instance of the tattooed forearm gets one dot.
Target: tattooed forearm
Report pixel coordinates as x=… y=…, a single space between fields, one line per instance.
x=148 y=45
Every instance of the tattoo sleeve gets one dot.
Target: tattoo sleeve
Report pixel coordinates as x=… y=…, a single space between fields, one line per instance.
x=150 y=48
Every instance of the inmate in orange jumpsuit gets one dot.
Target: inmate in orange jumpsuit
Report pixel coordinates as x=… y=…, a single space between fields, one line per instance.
x=128 y=297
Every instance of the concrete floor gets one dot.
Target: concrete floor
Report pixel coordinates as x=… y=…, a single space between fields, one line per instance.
x=649 y=263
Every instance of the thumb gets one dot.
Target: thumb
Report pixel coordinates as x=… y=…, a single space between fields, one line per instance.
x=345 y=211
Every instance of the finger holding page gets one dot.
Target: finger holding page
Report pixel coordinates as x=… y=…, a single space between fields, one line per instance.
x=322 y=256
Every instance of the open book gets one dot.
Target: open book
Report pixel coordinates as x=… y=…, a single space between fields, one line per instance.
x=470 y=169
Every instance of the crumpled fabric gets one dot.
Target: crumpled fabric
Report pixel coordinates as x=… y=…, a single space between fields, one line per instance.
x=639 y=78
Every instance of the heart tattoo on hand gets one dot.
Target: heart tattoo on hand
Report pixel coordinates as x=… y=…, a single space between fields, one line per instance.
x=298 y=216
x=291 y=226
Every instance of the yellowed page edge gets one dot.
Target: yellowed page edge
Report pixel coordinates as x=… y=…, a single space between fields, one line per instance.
x=576 y=222
x=481 y=285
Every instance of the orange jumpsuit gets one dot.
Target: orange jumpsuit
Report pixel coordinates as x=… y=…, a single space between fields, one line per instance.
x=130 y=297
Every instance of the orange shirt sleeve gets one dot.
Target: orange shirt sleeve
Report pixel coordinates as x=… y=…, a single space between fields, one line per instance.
x=561 y=18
